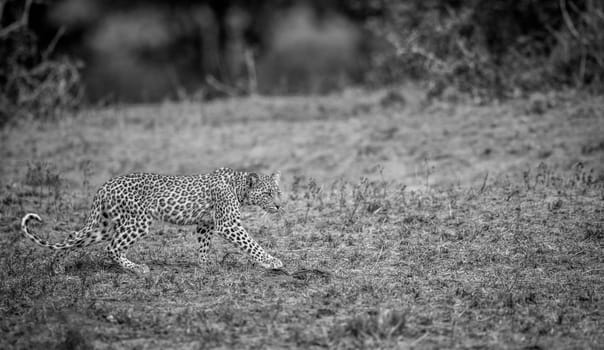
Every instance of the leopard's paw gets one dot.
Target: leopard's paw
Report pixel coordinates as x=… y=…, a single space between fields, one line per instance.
x=271 y=263
x=140 y=269
x=203 y=259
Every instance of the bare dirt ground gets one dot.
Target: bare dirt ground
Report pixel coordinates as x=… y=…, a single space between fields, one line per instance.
x=408 y=225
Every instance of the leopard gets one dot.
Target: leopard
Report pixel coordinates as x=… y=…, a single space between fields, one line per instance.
x=124 y=208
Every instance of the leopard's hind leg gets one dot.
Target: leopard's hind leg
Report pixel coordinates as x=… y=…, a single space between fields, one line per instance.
x=205 y=231
x=130 y=227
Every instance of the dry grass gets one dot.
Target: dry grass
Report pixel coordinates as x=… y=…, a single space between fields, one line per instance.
x=426 y=251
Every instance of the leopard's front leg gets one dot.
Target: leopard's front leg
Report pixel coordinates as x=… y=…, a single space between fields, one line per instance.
x=227 y=221
x=234 y=232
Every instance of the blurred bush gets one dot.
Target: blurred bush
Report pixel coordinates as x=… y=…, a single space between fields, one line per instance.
x=492 y=48
x=307 y=54
x=31 y=84
x=201 y=49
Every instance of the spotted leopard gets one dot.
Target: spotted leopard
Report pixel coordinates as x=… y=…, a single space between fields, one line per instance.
x=125 y=207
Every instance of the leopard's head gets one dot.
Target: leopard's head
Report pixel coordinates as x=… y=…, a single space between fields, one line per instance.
x=264 y=191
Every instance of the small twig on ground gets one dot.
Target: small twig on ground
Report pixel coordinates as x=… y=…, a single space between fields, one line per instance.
x=421 y=337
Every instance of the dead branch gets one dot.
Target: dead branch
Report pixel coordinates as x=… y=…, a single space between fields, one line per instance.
x=18 y=24
x=53 y=43
x=569 y=23
x=224 y=88
x=250 y=64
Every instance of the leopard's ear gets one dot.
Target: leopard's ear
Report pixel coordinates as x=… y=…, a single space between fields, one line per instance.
x=252 y=179
x=276 y=176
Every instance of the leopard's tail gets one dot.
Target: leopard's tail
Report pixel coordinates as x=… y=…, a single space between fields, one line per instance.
x=86 y=236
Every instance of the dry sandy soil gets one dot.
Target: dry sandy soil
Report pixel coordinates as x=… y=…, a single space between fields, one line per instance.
x=409 y=224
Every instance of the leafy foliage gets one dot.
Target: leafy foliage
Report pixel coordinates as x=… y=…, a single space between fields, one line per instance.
x=495 y=48
x=32 y=85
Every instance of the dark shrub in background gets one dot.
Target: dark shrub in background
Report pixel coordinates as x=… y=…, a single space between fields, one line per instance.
x=492 y=48
x=32 y=83
x=151 y=50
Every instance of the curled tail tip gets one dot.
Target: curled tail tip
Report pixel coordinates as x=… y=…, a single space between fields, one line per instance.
x=33 y=216
x=30 y=216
